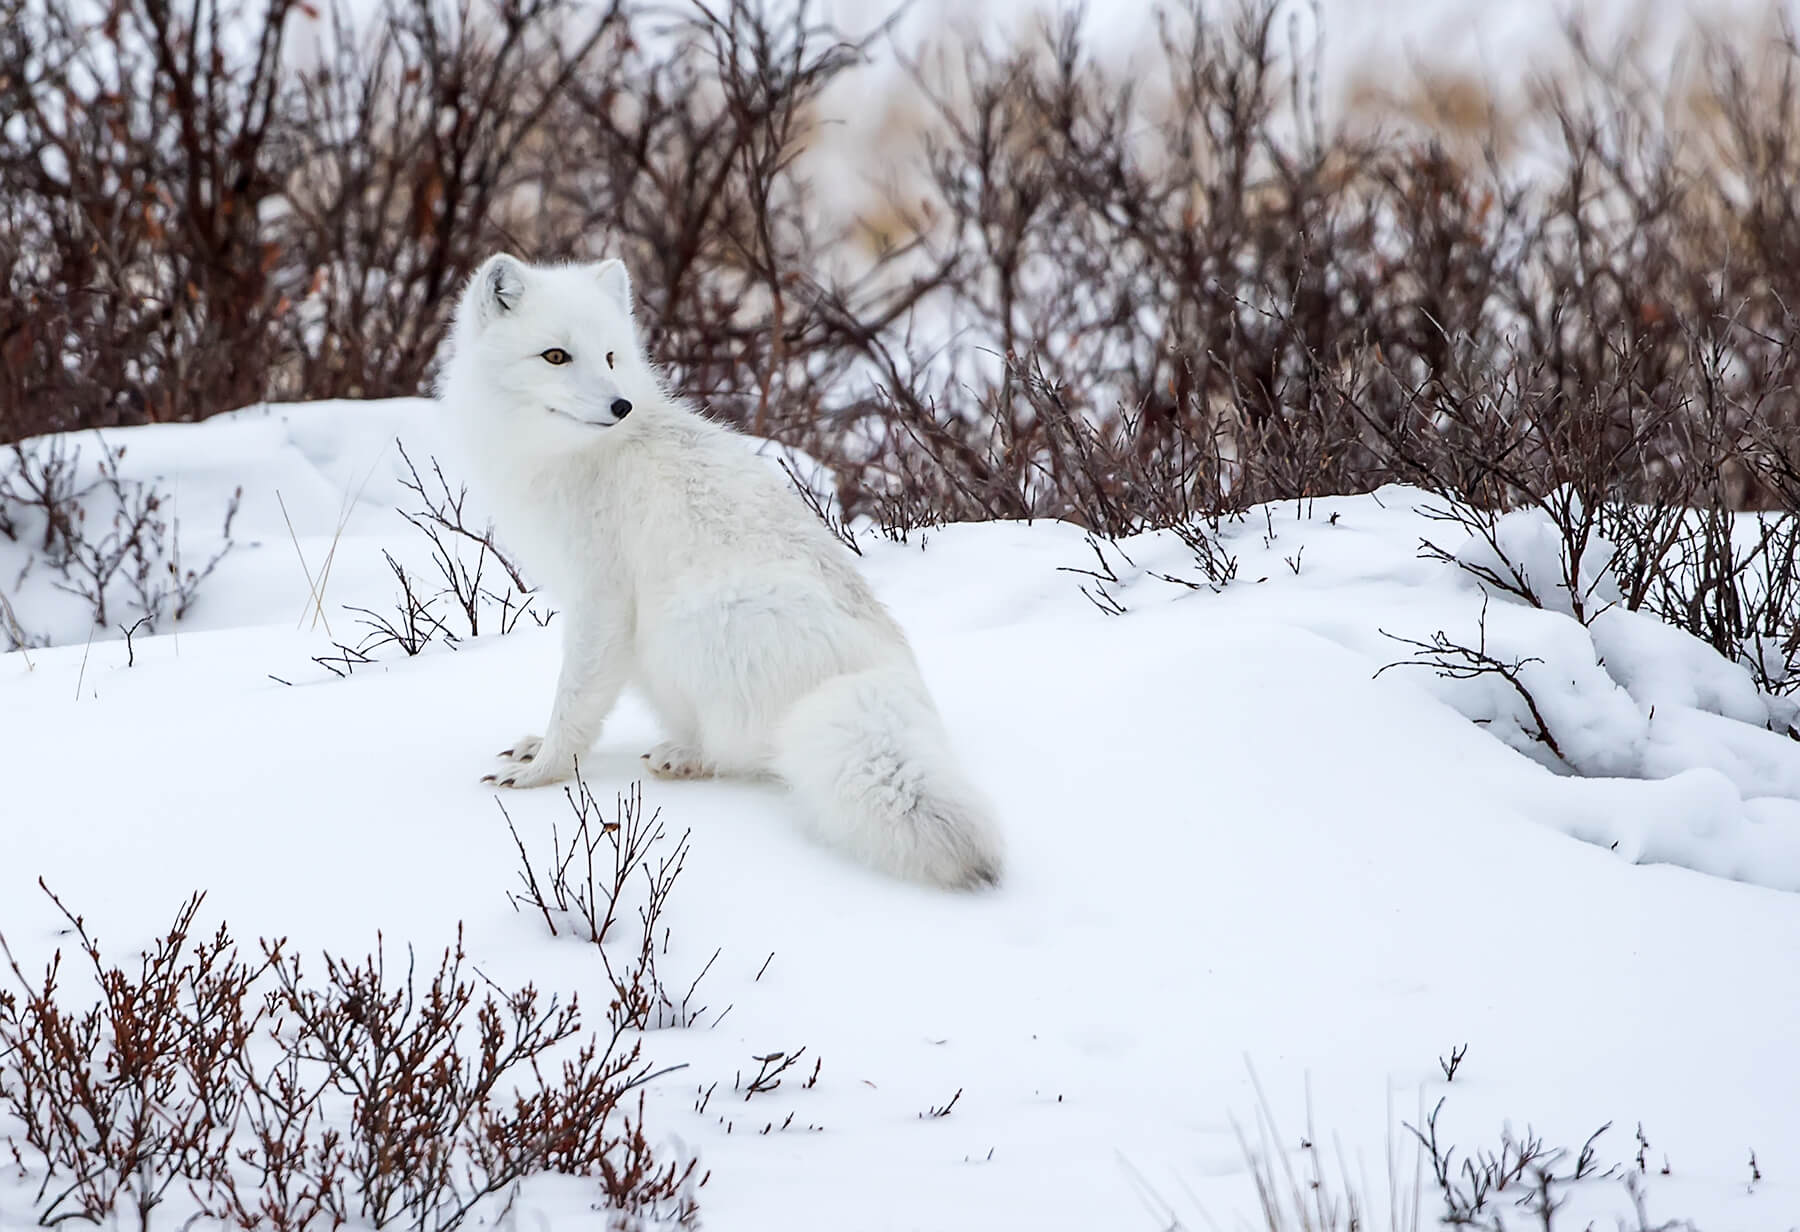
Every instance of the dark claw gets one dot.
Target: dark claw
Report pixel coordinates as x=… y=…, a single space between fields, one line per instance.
x=488 y=778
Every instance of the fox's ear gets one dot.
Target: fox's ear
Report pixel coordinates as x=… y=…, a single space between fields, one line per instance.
x=615 y=282
x=498 y=286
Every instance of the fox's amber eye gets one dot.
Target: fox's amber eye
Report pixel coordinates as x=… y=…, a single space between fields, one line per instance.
x=556 y=355
x=609 y=356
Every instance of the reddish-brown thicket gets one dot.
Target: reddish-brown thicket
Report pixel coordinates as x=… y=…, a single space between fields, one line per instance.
x=1125 y=301
x=249 y=1091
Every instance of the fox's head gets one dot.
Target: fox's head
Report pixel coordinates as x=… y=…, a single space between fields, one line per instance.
x=542 y=344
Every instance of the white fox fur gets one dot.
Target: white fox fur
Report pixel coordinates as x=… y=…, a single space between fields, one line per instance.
x=685 y=565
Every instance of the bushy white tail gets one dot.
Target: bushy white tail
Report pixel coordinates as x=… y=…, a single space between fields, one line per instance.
x=868 y=758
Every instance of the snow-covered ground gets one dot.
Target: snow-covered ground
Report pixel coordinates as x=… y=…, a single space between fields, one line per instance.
x=1231 y=845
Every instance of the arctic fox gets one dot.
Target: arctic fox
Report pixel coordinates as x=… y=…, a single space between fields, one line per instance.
x=685 y=565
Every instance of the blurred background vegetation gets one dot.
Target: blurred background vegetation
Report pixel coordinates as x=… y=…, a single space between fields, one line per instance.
x=1131 y=271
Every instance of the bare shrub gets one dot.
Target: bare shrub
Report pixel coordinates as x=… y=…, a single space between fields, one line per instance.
x=216 y=203
x=1452 y=660
x=134 y=1095
x=771 y=1068
x=440 y=518
x=608 y=869
x=110 y=540
x=1128 y=302
x=257 y=1095
x=454 y=608
x=433 y=1130
x=1522 y=1180
x=1522 y=1175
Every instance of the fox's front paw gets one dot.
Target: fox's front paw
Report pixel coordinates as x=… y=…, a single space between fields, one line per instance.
x=523 y=749
x=533 y=771
x=669 y=760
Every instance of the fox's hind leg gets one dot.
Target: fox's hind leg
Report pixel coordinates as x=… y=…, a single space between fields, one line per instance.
x=674 y=759
x=680 y=755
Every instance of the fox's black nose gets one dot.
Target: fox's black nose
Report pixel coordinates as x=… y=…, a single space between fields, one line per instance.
x=620 y=408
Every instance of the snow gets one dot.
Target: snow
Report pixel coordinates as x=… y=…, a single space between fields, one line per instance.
x=1232 y=844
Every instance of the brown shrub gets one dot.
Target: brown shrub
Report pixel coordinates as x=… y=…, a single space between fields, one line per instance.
x=1125 y=301
x=252 y=1093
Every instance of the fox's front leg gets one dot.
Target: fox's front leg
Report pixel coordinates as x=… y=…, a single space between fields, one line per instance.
x=596 y=663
